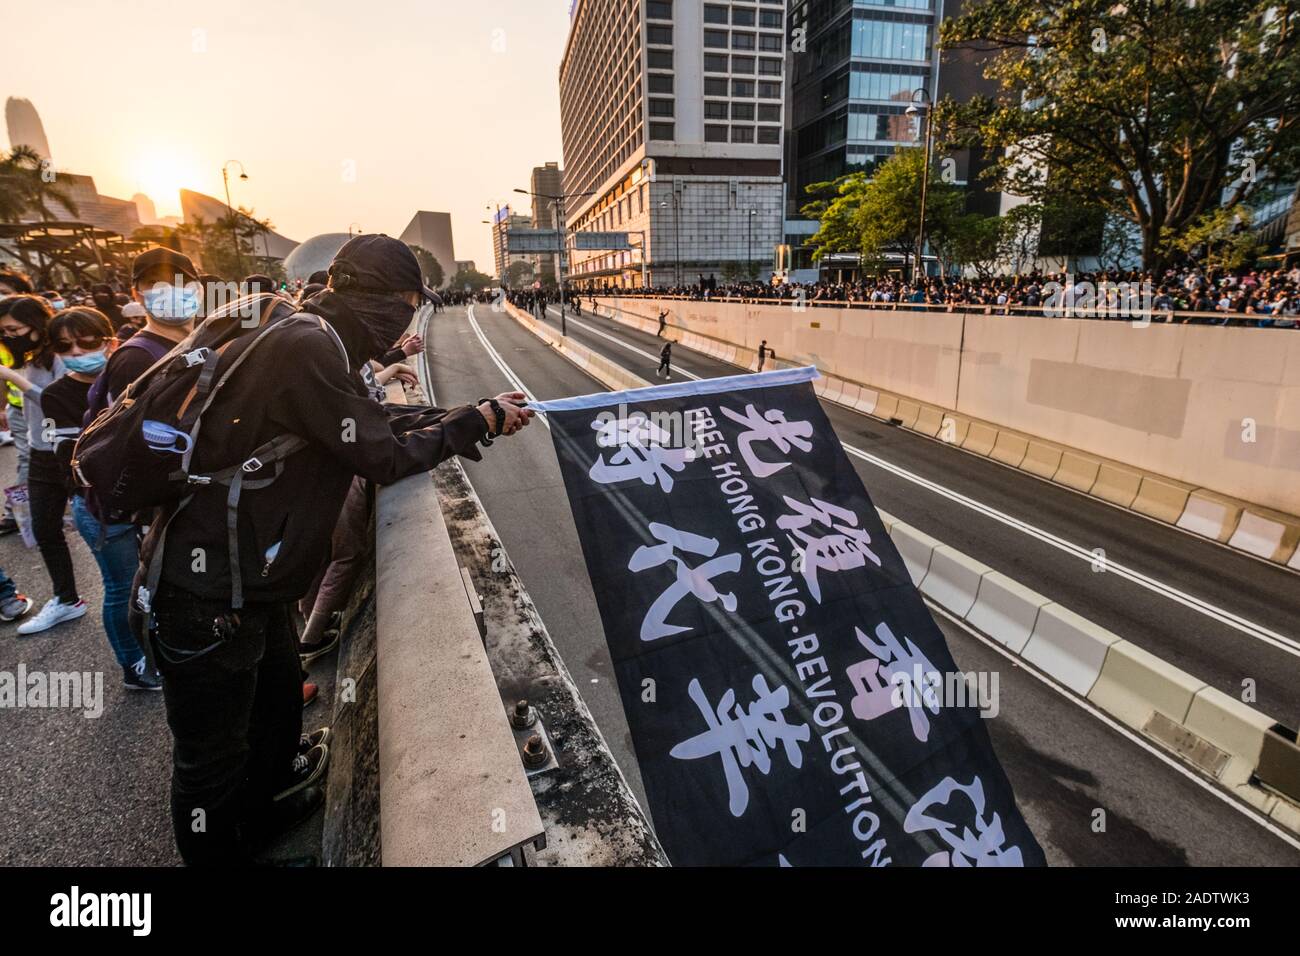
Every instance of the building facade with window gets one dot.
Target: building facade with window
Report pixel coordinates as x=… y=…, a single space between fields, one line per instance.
x=672 y=114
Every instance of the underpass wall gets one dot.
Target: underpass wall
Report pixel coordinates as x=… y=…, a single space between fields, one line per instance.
x=1213 y=407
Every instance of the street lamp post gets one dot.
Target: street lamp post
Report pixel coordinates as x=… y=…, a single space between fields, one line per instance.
x=677 y=239
x=749 y=245
x=234 y=226
x=558 y=203
x=925 y=110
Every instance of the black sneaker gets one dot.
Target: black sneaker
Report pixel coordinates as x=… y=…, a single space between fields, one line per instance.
x=315 y=738
x=281 y=817
x=8 y=525
x=329 y=640
x=307 y=769
x=140 y=676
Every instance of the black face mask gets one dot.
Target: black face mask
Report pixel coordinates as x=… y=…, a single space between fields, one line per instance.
x=386 y=319
x=20 y=345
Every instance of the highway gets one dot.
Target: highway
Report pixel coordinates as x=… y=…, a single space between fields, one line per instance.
x=1066 y=760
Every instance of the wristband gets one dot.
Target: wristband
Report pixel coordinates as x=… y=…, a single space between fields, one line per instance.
x=500 y=414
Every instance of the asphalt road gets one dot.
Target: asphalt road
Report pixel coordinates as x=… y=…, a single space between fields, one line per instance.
x=1218 y=614
x=1065 y=760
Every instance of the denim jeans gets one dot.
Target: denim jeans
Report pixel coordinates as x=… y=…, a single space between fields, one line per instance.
x=7 y=587
x=117 y=555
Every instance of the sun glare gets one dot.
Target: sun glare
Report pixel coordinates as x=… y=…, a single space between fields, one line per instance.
x=161 y=175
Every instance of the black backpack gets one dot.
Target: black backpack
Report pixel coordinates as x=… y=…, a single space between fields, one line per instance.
x=121 y=472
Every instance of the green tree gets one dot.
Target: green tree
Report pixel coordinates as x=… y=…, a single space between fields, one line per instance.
x=215 y=244
x=1153 y=111
x=882 y=213
x=430 y=267
x=519 y=274
x=470 y=279
x=1219 y=239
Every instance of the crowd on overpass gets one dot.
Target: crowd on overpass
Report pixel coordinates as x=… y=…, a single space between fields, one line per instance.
x=228 y=552
x=1263 y=298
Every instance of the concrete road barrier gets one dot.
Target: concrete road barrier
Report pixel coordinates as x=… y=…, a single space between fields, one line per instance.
x=980 y=438
x=886 y=406
x=907 y=412
x=866 y=402
x=1068 y=647
x=1133 y=683
x=953 y=580
x=1042 y=459
x=1210 y=515
x=1268 y=535
x=849 y=397
x=915 y=547
x=1006 y=610
x=953 y=429
x=1077 y=471
x=1162 y=498
x=929 y=421
x=1233 y=727
x=1009 y=448
x=1117 y=484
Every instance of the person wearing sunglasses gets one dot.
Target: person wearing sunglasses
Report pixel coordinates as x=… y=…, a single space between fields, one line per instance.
x=82 y=339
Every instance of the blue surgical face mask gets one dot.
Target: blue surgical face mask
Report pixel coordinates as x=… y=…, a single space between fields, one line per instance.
x=89 y=363
x=58 y=304
x=172 y=305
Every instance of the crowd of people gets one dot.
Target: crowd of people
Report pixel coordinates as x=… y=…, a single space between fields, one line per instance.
x=1254 y=297
x=222 y=588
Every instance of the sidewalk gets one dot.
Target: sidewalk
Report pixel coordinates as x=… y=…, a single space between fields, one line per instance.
x=82 y=791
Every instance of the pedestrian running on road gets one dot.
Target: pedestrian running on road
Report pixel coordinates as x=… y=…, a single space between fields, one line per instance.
x=665 y=360
x=663 y=322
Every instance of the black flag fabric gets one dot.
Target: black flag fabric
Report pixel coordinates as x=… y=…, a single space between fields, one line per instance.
x=791 y=700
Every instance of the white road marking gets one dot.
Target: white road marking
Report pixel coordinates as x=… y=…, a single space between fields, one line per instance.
x=501 y=364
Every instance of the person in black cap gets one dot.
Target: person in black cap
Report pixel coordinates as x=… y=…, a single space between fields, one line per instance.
x=231 y=677
x=165 y=283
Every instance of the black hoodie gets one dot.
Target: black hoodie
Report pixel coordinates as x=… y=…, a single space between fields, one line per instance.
x=295 y=382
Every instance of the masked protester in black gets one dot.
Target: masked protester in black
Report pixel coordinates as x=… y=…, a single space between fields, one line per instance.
x=231 y=676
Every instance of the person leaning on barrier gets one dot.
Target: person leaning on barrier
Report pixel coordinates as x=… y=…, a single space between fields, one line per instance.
x=231 y=675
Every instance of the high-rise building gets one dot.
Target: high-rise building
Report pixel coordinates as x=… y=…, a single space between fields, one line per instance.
x=503 y=221
x=25 y=127
x=432 y=231
x=853 y=74
x=672 y=123
x=547 y=181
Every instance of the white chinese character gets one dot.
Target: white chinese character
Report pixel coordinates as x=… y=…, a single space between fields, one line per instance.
x=643 y=452
x=844 y=550
x=896 y=676
x=770 y=426
x=741 y=738
x=697 y=581
x=979 y=847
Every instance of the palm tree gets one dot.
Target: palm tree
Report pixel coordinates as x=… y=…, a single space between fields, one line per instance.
x=25 y=189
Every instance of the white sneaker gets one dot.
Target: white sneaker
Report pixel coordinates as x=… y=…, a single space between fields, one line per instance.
x=54 y=612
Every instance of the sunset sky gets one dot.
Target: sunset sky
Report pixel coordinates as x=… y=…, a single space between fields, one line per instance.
x=341 y=112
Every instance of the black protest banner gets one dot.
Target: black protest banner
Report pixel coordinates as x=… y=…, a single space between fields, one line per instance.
x=791 y=701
